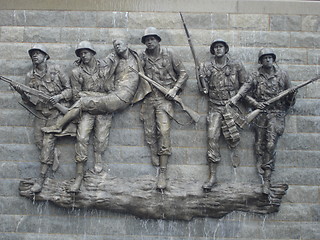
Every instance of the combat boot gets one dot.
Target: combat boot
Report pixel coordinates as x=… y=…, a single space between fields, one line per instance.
x=75 y=187
x=37 y=186
x=212 y=177
x=266 y=181
x=98 y=162
x=162 y=177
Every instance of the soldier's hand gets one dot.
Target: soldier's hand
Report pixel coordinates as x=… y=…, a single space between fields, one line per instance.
x=172 y=93
x=261 y=105
x=233 y=101
x=55 y=99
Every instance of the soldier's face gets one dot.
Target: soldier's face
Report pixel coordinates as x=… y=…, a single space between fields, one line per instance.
x=219 y=49
x=267 y=61
x=86 y=55
x=120 y=46
x=38 y=57
x=151 y=42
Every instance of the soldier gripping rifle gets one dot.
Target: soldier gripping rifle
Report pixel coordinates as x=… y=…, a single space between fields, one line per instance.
x=194 y=115
x=33 y=95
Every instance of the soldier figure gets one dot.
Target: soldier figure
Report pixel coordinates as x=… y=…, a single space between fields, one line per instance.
x=124 y=88
x=162 y=66
x=222 y=78
x=269 y=125
x=87 y=80
x=51 y=80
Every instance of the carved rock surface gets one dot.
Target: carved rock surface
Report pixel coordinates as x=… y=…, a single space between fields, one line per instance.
x=183 y=199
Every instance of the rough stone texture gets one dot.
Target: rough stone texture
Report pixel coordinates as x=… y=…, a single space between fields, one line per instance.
x=291 y=29
x=182 y=200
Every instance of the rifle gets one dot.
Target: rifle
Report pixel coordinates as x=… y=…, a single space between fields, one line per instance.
x=194 y=115
x=34 y=92
x=249 y=118
x=200 y=81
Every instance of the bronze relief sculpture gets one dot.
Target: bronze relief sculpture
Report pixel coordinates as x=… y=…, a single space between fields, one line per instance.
x=100 y=88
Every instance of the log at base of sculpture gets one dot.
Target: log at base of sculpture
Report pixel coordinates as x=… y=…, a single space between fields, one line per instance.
x=183 y=199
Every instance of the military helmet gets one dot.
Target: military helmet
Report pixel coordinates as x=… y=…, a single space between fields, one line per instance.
x=219 y=41
x=266 y=51
x=84 y=45
x=150 y=31
x=39 y=47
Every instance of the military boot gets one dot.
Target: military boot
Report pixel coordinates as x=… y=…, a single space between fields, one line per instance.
x=37 y=186
x=212 y=177
x=98 y=162
x=266 y=181
x=75 y=187
x=162 y=177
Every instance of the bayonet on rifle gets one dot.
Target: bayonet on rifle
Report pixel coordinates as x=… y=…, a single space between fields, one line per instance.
x=194 y=115
x=201 y=83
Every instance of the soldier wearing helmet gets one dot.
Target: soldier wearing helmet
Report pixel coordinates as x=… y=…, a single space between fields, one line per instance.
x=222 y=77
x=52 y=81
x=102 y=89
x=164 y=67
x=269 y=125
x=87 y=79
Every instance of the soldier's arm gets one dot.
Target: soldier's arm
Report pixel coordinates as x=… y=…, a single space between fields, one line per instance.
x=180 y=70
x=76 y=84
x=66 y=93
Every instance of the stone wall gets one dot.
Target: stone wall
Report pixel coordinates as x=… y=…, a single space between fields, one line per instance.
x=295 y=38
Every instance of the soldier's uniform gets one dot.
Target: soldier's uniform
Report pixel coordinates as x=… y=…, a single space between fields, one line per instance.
x=53 y=82
x=223 y=83
x=87 y=81
x=157 y=111
x=269 y=125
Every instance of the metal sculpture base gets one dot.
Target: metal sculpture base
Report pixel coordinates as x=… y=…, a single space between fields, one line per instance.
x=182 y=200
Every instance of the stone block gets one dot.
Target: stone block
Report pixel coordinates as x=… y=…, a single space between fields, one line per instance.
x=15 y=67
x=113 y=19
x=274 y=230
x=258 y=22
x=9 y=222
x=9 y=188
x=264 y=39
x=305 y=40
x=301 y=141
x=19 y=135
x=307 y=107
x=310 y=23
x=301 y=72
x=131 y=155
x=11 y=34
x=206 y=21
x=7 y=18
x=314 y=56
x=131 y=170
x=302 y=194
x=126 y=137
x=295 y=212
x=77 y=35
x=297 y=158
x=80 y=19
x=308 y=124
x=292 y=56
x=310 y=230
x=42 y=34
x=159 y=20
x=285 y=23
x=16 y=117
x=296 y=176
x=127 y=119
x=188 y=138
x=39 y=18
x=18 y=152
